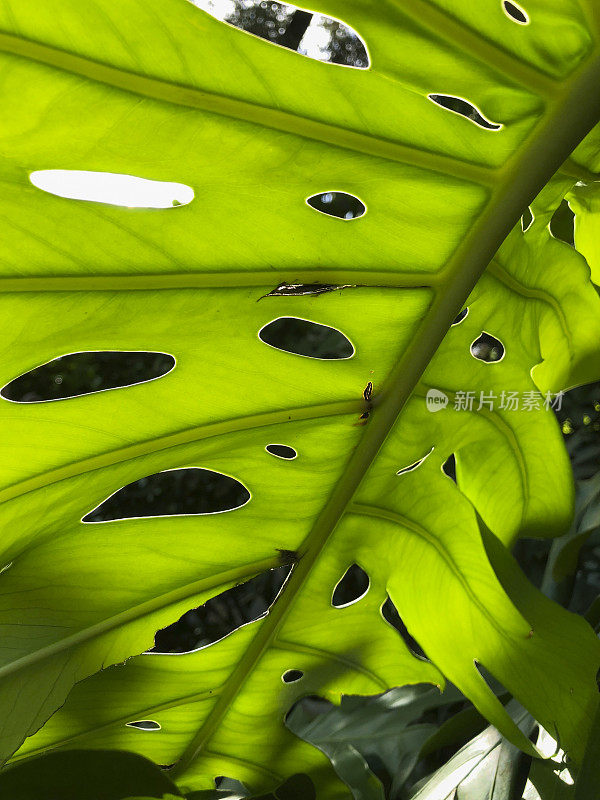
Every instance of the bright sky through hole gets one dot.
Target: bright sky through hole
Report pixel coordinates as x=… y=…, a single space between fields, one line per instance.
x=112 y=188
x=314 y=42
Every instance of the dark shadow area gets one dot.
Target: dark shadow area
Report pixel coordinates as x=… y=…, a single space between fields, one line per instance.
x=562 y=224
x=337 y=204
x=305 y=338
x=390 y=614
x=465 y=109
x=221 y=615
x=353 y=585
x=292 y=675
x=415 y=465
x=281 y=451
x=526 y=219
x=85 y=373
x=460 y=317
x=449 y=467
x=515 y=13
x=178 y=491
x=487 y=348
x=144 y=725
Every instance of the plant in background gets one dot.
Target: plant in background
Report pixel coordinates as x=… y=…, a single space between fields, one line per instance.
x=348 y=323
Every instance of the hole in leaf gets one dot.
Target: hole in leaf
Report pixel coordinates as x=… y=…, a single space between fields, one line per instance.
x=292 y=675
x=351 y=587
x=416 y=464
x=223 y=614
x=313 y=35
x=305 y=338
x=144 y=725
x=449 y=467
x=390 y=614
x=281 y=451
x=337 y=204
x=461 y=316
x=84 y=373
x=527 y=219
x=487 y=348
x=174 y=492
x=112 y=188
x=465 y=109
x=515 y=12
x=306 y=289
x=562 y=224
x=232 y=786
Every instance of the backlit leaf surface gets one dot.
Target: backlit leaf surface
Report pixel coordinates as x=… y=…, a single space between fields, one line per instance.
x=165 y=92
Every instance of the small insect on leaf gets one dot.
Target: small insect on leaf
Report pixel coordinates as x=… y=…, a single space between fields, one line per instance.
x=368 y=391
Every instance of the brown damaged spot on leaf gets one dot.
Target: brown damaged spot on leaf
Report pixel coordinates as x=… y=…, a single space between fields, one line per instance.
x=368 y=398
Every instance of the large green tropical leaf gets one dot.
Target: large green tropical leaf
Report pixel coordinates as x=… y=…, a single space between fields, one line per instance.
x=163 y=91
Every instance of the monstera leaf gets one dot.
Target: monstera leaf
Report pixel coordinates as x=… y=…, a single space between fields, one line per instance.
x=165 y=92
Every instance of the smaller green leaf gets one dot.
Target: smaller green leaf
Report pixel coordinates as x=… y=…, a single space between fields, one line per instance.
x=363 y=730
x=87 y=775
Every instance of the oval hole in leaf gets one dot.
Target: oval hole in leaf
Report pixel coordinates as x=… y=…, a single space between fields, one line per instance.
x=337 y=204
x=390 y=614
x=487 y=348
x=112 y=188
x=562 y=224
x=449 y=467
x=221 y=615
x=462 y=316
x=515 y=12
x=281 y=451
x=292 y=675
x=174 y=492
x=464 y=109
x=305 y=338
x=313 y=35
x=415 y=465
x=84 y=373
x=351 y=587
x=144 y=725
x=527 y=219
